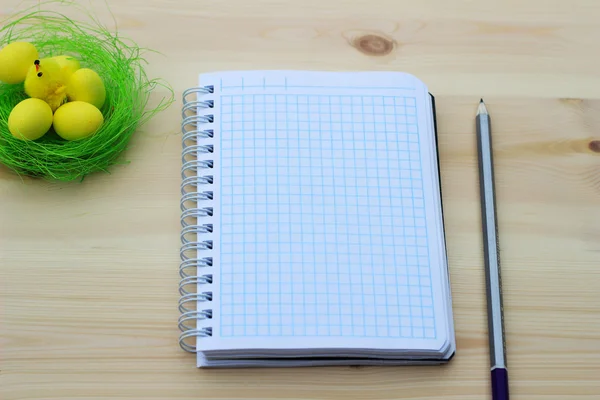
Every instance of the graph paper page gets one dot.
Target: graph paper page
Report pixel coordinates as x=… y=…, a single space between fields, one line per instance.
x=328 y=229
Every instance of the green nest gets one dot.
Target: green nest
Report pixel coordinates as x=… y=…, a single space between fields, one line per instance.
x=128 y=89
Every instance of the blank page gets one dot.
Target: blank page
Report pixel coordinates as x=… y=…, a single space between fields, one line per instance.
x=328 y=230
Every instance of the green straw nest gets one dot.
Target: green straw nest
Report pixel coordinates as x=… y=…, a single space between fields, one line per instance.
x=128 y=89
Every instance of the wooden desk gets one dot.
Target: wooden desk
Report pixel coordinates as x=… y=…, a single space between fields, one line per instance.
x=89 y=270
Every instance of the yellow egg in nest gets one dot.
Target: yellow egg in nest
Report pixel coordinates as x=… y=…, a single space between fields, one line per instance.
x=67 y=64
x=15 y=60
x=86 y=85
x=30 y=119
x=77 y=120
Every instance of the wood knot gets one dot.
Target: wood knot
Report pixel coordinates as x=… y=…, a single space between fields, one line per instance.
x=373 y=45
x=595 y=146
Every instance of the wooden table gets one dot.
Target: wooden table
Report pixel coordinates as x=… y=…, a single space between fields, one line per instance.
x=89 y=270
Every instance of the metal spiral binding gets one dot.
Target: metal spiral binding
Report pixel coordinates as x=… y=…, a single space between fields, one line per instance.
x=196 y=198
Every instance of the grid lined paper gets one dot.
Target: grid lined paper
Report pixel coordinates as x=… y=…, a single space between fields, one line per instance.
x=322 y=217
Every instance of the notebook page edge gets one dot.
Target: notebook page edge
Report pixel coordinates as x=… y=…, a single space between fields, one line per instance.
x=398 y=77
x=432 y=197
x=443 y=238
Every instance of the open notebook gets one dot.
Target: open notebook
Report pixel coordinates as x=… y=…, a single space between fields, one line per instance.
x=312 y=221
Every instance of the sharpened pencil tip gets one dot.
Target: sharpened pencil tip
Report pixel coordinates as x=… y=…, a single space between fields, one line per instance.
x=481 y=100
x=482 y=109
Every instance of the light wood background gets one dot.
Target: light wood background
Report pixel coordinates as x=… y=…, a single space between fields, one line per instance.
x=88 y=272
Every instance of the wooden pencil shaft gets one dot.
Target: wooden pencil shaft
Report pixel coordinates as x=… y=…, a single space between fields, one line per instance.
x=490 y=237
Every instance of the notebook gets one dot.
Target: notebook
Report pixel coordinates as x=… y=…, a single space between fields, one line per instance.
x=312 y=224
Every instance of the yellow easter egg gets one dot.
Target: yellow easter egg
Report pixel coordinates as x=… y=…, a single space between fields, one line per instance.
x=77 y=120
x=30 y=119
x=68 y=65
x=15 y=60
x=86 y=85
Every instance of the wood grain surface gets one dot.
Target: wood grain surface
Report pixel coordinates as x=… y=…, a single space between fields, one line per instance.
x=88 y=273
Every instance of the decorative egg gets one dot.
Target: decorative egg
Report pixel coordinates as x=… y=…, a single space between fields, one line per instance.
x=77 y=120
x=86 y=85
x=68 y=65
x=15 y=60
x=30 y=119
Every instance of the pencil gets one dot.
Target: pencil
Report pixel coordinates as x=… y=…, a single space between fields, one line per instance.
x=499 y=374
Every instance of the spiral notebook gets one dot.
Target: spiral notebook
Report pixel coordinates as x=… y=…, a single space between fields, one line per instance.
x=312 y=221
